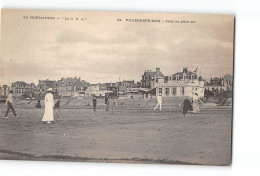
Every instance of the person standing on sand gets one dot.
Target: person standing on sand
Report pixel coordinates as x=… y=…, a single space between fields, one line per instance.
x=38 y=104
x=94 y=102
x=57 y=108
x=159 y=102
x=107 y=99
x=195 y=104
x=57 y=105
x=49 y=104
x=9 y=103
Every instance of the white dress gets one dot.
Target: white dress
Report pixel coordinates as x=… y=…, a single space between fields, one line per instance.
x=159 y=103
x=49 y=103
x=195 y=104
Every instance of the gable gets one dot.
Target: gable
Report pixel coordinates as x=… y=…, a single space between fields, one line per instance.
x=78 y=83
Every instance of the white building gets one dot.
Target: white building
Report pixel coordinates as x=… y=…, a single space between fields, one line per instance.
x=184 y=83
x=180 y=88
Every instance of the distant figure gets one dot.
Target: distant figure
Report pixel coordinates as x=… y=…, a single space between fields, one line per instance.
x=49 y=104
x=186 y=106
x=57 y=105
x=57 y=108
x=107 y=99
x=38 y=104
x=9 y=103
x=94 y=102
x=159 y=102
x=115 y=103
x=195 y=104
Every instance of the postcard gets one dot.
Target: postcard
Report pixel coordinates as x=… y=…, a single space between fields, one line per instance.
x=116 y=87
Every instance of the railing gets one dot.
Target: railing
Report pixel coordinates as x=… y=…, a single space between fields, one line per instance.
x=186 y=83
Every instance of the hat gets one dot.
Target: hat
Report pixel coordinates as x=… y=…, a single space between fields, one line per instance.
x=49 y=90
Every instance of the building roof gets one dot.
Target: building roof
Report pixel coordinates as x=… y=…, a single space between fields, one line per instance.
x=85 y=83
x=131 y=82
x=149 y=73
x=189 y=73
x=157 y=74
x=216 y=79
x=70 y=81
x=78 y=81
x=228 y=77
x=111 y=84
x=22 y=83
x=19 y=82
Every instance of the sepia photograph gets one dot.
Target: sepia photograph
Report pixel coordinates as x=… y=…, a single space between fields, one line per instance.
x=116 y=87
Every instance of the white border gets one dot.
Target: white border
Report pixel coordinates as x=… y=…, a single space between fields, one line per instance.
x=246 y=132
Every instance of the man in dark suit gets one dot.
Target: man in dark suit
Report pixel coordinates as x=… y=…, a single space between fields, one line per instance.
x=94 y=102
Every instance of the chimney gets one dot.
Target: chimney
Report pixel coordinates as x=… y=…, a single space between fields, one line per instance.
x=157 y=69
x=185 y=70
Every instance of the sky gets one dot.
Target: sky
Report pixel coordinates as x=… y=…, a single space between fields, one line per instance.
x=100 y=48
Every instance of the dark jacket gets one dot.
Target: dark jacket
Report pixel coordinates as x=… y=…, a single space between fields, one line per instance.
x=94 y=100
x=186 y=106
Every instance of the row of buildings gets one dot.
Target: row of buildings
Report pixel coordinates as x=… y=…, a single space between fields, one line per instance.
x=64 y=87
x=69 y=88
x=185 y=83
x=153 y=83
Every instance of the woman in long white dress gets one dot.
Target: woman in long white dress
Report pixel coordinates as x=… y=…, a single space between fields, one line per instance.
x=49 y=104
x=195 y=104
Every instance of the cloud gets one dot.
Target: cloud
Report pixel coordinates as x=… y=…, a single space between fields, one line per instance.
x=54 y=48
x=88 y=36
x=101 y=51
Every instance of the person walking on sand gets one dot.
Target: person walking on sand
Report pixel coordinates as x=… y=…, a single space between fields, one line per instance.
x=94 y=102
x=9 y=103
x=49 y=104
x=159 y=102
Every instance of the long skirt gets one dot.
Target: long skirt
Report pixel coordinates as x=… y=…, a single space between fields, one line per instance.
x=196 y=108
x=48 y=114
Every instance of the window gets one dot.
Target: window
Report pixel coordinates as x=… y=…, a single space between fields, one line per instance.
x=174 y=91
x=177 y=77
x=160 y=90
x=182 y=90
x=167 y=91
